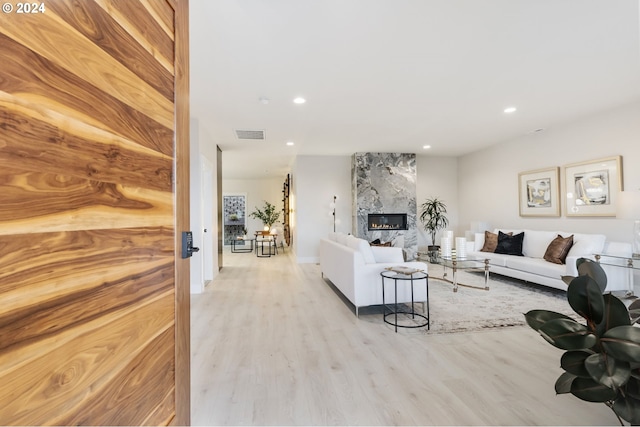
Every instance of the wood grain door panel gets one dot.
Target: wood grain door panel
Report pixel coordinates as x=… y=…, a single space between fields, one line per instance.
x=89 y=292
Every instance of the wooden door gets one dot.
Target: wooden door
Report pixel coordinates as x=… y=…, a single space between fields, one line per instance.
x=94 y=303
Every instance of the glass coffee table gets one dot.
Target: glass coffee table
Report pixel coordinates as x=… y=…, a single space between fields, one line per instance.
x=629 y=263
x=469 y=264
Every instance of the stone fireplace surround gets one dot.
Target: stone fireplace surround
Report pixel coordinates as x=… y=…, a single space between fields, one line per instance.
x=385 y=183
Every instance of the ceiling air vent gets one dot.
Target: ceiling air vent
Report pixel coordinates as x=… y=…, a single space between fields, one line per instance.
x=250 y=134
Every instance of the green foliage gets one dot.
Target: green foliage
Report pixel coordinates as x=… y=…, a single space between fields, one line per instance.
x=432 y=216
x=268 y=214
x=602 y=361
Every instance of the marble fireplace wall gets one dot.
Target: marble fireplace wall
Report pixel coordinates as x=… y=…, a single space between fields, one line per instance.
x=385 y=183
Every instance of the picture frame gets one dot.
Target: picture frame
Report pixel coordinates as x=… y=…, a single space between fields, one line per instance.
x=539 y=192
x=592 y=187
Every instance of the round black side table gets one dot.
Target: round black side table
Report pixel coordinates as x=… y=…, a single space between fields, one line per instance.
x=405 y=279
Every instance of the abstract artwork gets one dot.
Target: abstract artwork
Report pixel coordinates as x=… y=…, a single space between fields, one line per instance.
x=592 y=187
x=539 y=192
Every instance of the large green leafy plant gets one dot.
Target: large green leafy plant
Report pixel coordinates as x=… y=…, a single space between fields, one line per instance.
x=268 y=214
x=602 y=358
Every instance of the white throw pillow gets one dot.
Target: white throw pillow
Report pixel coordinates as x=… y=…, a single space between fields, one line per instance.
x=332 y=236
x=478 y=241
x=341 y=238
x=585 y=244
x=536 y=242
x=364 y=248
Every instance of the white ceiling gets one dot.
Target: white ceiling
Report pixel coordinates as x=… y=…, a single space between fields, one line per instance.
x=394 y=75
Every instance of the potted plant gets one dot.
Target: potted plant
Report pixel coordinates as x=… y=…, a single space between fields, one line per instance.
x=433 y=217
x=268 y=214
x=602 y=356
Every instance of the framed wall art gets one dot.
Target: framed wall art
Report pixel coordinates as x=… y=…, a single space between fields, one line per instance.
x=592 y=187
x=539 y=192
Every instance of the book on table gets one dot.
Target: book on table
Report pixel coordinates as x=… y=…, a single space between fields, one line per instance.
x=404 y=270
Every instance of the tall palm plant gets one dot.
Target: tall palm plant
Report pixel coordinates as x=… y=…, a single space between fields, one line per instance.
x=433 y=216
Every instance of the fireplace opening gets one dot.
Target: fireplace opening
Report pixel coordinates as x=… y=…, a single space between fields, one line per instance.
x=387 y=221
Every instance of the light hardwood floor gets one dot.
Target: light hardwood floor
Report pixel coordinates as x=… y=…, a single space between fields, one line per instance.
x=272 y=344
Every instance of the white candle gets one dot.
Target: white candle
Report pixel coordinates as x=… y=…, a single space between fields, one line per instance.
x=461 y=247
x=445 y=246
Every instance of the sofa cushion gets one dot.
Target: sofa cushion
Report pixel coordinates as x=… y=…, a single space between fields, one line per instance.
x=494 y=259
x=509 y=245
x=585 y=244
x=384 y=254
x=536 y=242
x=478 y=242
x=341 y=238
x=536 y=266
x=558 y=249
x=363 y=247
x=490 y=241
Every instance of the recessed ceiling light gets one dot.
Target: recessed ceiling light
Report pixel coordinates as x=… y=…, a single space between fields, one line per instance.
x=299 y=100
x=263 y=100
x=426 y=147
x=510 y=110
x=290 y=143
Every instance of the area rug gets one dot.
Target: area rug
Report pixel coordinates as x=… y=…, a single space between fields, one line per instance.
x=471 y=309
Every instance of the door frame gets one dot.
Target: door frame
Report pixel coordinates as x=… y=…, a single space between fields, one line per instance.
x=207 y=218
x=181 y=182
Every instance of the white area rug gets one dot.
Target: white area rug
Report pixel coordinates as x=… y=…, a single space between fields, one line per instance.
x=469 y=309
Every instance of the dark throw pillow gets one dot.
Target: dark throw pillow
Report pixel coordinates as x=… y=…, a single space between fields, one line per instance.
x=490 y=241
x=558 y=249
x=509 y=245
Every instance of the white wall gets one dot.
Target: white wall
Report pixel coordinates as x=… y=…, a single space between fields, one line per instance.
x=316 y=179
x=488 y=179
x=437 y=177
x=195 y=188
x=202 y=194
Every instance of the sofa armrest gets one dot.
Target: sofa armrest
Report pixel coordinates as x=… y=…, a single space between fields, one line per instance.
x=623 y=249
x=387 y=254
x=570 y=262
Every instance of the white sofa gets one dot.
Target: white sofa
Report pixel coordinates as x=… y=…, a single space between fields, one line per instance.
x=354 y=267
x=532 y=267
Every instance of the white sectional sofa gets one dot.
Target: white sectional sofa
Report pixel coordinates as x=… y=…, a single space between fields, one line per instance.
x=532 y=266
x=354 y=267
